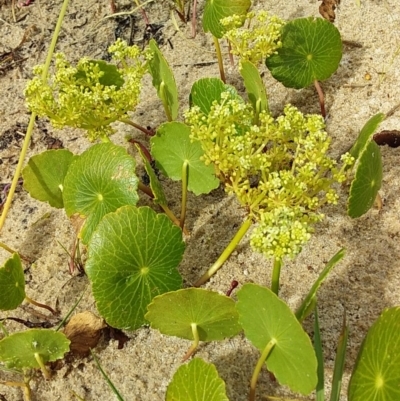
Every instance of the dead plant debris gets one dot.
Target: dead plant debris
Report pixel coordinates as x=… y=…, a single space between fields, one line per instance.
x=388 y=137
x=84 y=331
x=327 y=9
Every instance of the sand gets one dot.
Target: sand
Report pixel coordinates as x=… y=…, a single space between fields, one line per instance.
x=364 y=283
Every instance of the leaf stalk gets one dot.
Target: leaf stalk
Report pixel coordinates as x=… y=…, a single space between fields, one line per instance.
x=226 y=253
x=264 y=355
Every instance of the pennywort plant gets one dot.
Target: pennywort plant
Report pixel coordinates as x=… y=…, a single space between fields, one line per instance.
x=278 y=167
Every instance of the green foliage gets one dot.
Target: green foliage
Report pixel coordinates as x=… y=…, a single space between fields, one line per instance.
x=216 y=10
x=171 y=148
x=175 y=313
x=311 y=50
x=99 y=181
x=368 y=169
x=265 y=317
x=91 y=95
x=163 y=81
x=198 y=380
x=254 y=87
x=365 y=135
x=205 y=91
x=44 y=176
x=279 y=168
x=155 y=185
x=309 y=302
x=376 y=375
x=33 y=348
x=257 y=39
x=133 y=256
x=12 y=283
x=320 y=389
x=367 y=181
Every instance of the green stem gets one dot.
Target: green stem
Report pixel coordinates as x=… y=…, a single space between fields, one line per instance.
x=276 y=272
x=173 y=218
x=267 y=350
x=195 y=343
x=43 y=368
x=226 y=253
x=33 y=117
x=220 y=61
x=137 y=126
x=185 y=176
x=107 y=379
x=164 y=100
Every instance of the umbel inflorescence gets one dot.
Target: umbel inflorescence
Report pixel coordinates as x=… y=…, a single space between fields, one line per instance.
x=91 y=95
x=279 y=168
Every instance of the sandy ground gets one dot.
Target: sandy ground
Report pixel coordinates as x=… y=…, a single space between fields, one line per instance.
x=363 y=284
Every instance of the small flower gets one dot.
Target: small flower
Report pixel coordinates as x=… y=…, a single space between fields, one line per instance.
x=92 y=94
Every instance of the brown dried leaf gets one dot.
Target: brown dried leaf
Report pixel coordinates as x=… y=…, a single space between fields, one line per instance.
x=84 y=331
x=327 y=9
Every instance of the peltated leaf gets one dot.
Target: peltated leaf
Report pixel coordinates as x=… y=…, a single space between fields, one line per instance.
x=204 y=91
x=213 y=314
x=44 y=175
x=367 y=181
x=172 y=147
x=215 y=10
x=265 y=317
x=163 y=81
x=195 y=381
x=18 y=350
x=12 y=283
x=366 y=135
x=111 y=75
x=133 y=256
x=376 y=375
x=254 y=86
x=99 y=181
x=311 y=50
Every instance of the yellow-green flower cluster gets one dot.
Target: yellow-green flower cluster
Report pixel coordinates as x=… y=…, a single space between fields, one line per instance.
x=257 y=39
x=92 y=94
x=279 y=169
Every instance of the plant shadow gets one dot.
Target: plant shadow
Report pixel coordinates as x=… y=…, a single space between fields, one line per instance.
x=236 y=368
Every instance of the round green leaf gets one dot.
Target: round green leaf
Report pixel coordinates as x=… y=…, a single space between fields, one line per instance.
x=264 y=317
x=215 y=10
x=171 y=147
x=44 y=176
x=376 y=375
x=18 y=350
x=99 y=181
x=367 y=181
x=111 y=75
x=214 y=314
x=12 y=283
x=196 y=381
x=311 y=50
x=204 y=91
x=133 y=256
